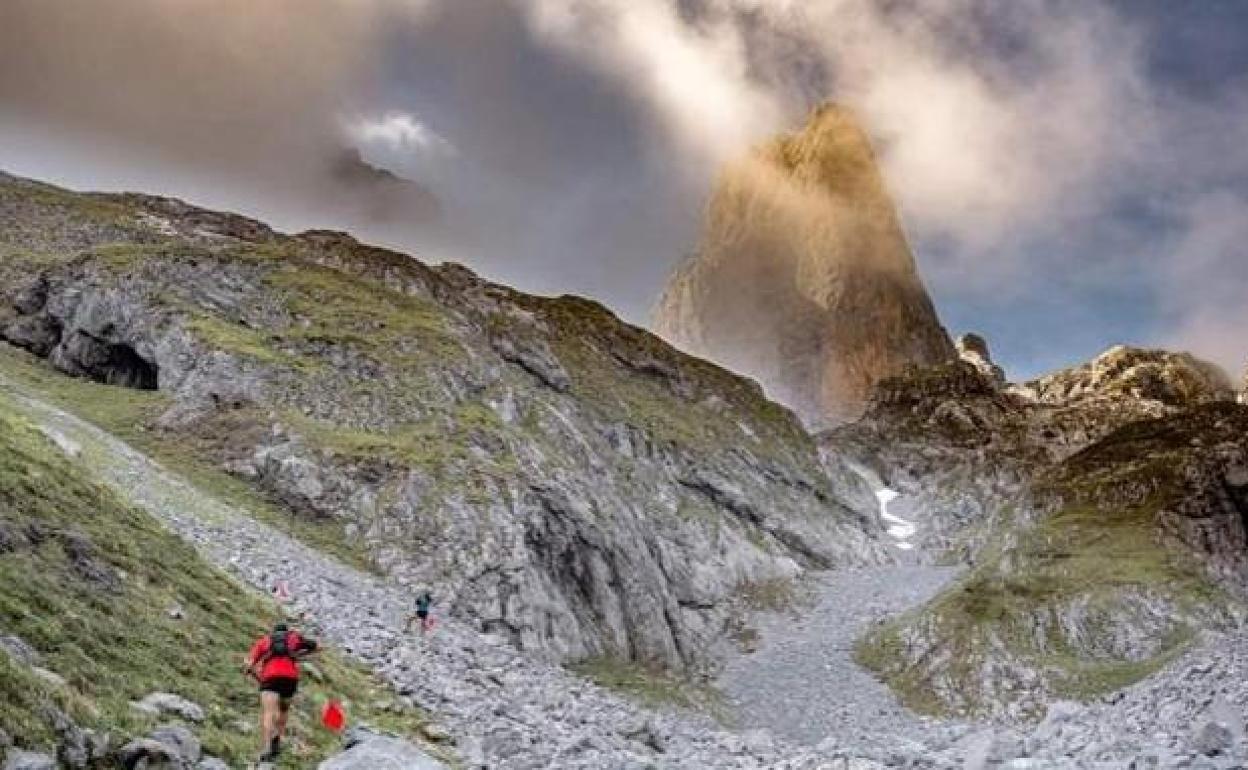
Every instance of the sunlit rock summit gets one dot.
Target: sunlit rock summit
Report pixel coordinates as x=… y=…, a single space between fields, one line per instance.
x=803 y=278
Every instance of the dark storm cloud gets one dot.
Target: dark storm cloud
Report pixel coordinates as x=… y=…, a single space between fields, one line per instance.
x=1067 y=166
x=245 y=94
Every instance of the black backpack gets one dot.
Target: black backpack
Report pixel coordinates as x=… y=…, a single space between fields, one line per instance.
x=279 y=646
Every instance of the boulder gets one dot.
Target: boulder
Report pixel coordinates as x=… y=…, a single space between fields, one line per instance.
x=179 y=740
x=148 y=754
x=28 y=760
x=39 y=334
x=81 y=748
x=436 y=733
x=379 y=752
x=1212 y=739
x=164 y=703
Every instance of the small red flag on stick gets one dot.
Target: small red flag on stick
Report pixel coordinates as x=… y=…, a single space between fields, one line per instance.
x=333 y=717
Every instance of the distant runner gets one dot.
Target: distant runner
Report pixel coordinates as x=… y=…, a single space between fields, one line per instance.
x=274 y=662
x=423 y=604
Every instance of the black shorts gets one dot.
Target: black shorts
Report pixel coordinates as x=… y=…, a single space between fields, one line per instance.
x=284 y=686
x=422 y=614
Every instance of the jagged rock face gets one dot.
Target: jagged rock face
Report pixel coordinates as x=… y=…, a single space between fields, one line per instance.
x=1101 y=509
x=557 y=476
x=961 y=445
x=1122 y=372
x=803 y=278
x=973 y=349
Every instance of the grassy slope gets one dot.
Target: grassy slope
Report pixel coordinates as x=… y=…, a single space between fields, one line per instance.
x=127 y=414
x=114 y=646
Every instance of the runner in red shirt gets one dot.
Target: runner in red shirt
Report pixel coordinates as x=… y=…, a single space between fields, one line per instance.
x=274 y=662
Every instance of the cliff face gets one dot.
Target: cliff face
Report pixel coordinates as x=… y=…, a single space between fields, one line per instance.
x=803 y=278
x=559 y=477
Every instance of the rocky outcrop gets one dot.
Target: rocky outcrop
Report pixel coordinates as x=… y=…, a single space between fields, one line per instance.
x=973 y=349
x=803 y=278
x=1101 y=511
x=565 y=480
x=1135 y=374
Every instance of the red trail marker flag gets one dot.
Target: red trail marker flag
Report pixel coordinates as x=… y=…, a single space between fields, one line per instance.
x=333 y=717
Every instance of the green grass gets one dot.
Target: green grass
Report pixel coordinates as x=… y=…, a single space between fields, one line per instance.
x=584 y=335
x=771 y=595
x=433 y=444
x=194 y=455
x=116 y=643
x=651 y=686
x=236 y=338
x=336 y=307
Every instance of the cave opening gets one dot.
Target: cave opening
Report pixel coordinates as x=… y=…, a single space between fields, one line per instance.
x=124 y=367
x=112 y=363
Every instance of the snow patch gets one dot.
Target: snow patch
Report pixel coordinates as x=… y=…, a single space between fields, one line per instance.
x=899 y=529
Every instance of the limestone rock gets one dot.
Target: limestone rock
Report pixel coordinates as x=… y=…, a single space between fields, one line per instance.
x=19 y=650
x=973 y=349
x=382 y=753
x=54 y=679
x=803 y=278
x=1123 y=372
x=18 y=759
x=179 y=740
x=1212 y=738
x=170 y=704
x=1134 y=446
x=80 y=749
x=148 y=754
x=577 y=486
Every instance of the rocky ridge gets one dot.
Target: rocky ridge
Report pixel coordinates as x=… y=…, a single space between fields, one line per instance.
x=568 y=481
x=1098 y=507
x=803 y=278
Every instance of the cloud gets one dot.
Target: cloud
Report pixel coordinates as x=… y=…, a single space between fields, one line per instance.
x=1204 y=269
x=696 y=76
x=398 y=132
x=243 y=93
x=1013 y=134
x=574 y=140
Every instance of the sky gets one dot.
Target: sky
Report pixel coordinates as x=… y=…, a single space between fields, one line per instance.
x=1072 y=174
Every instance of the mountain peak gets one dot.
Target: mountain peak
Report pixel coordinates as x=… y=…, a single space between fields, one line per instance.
x=803 y=278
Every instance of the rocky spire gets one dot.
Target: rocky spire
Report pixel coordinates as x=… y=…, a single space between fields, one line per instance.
x=803 y=278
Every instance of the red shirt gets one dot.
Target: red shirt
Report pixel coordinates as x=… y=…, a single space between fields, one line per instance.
x=279 y=667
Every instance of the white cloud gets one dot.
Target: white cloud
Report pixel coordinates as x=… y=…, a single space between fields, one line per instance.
x=695 y=76
x=396 y=132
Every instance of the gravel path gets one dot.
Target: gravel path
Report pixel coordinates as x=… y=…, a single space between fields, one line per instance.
x=802 y=682
x=504 y=709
